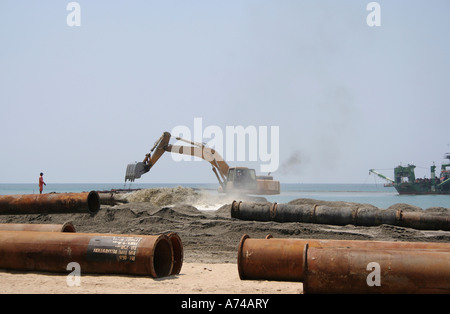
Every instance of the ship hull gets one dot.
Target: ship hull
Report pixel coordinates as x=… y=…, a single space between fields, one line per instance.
x=419 y=189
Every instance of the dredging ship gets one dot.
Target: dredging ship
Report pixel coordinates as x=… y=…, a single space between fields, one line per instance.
x=405 y=181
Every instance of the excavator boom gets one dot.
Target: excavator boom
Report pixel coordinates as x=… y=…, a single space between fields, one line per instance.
x=137 y=169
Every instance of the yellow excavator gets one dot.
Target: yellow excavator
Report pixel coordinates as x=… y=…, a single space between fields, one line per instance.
x=231 y=179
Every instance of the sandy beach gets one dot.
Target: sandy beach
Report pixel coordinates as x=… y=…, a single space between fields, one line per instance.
x=210 y=240
x=195 y=278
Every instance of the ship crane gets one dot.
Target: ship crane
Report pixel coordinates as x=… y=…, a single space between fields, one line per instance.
x=445 y=173
x=391 y=182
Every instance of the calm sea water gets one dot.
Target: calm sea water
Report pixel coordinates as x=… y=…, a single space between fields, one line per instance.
x=373 y=194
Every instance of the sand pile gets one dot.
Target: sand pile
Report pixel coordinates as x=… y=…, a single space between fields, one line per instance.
x=164 y=196
x=198 y=198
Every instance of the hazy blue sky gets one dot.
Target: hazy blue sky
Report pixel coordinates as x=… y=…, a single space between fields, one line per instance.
x=80 y=103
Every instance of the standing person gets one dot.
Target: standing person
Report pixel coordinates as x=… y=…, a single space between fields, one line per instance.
x=41 y=183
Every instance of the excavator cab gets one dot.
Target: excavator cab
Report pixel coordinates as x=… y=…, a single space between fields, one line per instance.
x=241 y=178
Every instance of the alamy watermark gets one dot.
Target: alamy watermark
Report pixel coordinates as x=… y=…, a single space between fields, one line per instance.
x=374 y=17
x=250 y=143
x=74 y=17
x=74 y=278
x=374 y=277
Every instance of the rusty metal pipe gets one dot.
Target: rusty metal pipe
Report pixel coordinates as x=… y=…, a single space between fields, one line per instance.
x=51 y=203
x=376 y=217
x=338 y=216
x=309 y=214
x=251 y=211
x=333 y=216
x=369 y=244
x=293 y=213
x=66 y=227
x=361 y=270
x=283 y=259
x=270 y=259
x=424 y=221
x=94 y=252
x=106 y=198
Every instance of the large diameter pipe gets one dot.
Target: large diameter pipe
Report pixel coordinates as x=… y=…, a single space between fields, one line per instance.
x=312 y=214
x=338 y=216
x=376 y=217
x=420 y=220
x=95 y=253
x=361 y=270
x=251 y=211
x=106 y=198
x=369 y=244
x=293 y=213
x=66 y=227
x=284 y=259
x=51 y=203
x=270 y=259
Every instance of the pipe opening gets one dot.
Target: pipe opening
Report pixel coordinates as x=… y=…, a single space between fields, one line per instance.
x=68 y=227
x=177 y=253
x=162 y=258
x=93 y=202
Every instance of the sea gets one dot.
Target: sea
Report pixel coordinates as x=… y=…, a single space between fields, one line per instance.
x=374 y=194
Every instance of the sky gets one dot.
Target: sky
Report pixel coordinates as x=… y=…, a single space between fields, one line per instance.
x=81 y=102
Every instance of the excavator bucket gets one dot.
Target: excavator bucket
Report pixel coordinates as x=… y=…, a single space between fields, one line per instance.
x=135 y=170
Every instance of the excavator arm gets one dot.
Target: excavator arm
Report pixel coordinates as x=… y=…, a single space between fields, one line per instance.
x=230 y=179
x=219 y=166
x=137 y=169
